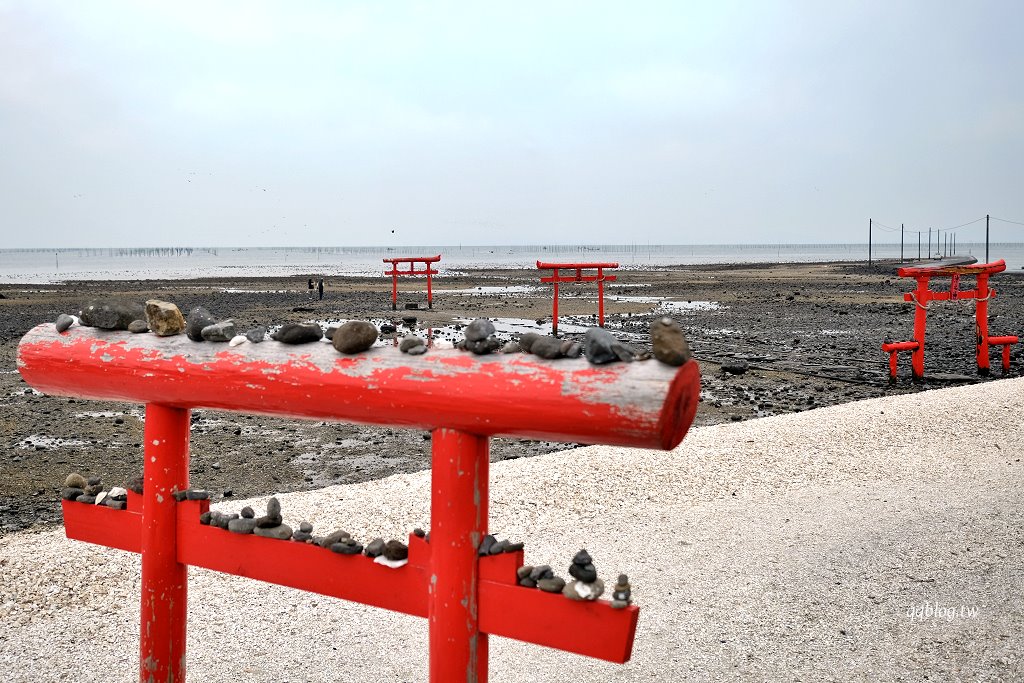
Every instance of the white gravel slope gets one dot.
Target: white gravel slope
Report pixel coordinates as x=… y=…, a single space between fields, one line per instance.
x=787 y=548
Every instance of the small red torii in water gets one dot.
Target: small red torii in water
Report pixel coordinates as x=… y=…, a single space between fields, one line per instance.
x=921 y=297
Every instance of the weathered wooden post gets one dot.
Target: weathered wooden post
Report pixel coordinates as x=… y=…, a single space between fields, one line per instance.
x=466 y=598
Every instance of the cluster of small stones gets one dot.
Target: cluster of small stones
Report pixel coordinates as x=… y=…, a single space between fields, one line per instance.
x=90 y=491
x=355 y=336
x=584 y=584
x=391 y=553
x=492 y=546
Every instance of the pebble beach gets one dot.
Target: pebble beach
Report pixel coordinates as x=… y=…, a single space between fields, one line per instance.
x=874 y=540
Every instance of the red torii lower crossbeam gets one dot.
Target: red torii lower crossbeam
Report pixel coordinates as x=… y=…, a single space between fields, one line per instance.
x=923 y=295
x=428 y=270
x=600 y=278
x=464 y=597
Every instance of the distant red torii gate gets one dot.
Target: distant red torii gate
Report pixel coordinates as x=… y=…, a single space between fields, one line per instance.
x=428 y=270
x=555 y=278
x=922 y=295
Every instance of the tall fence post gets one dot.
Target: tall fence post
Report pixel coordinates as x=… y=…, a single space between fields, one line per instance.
x=869 y=242
x=164 y=580
x=986 y=238
x=901 y=242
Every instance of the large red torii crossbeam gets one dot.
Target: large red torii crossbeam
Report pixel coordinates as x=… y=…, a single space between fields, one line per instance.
x=923 y=295
x=428 y=270
x=464 y=597
x=600 y=278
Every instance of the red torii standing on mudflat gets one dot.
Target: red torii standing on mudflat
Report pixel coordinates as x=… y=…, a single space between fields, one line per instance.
x=555 y=278
x=428 y=270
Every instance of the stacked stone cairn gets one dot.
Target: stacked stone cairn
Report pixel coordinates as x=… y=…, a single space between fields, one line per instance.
x=621 y=593
x=586 y=585
x=90 y=491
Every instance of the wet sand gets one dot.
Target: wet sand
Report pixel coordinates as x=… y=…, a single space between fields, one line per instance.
x=810 y=334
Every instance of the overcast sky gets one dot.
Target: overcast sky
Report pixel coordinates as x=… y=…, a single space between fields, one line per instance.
x=132 y=123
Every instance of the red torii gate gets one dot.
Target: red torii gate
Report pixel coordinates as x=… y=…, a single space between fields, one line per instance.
x=465 y=597
x=555 y=278
x=921 y=297
x=428 y=270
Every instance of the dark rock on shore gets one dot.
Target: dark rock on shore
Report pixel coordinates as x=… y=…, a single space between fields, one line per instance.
x=256 y=334
x=221 y=331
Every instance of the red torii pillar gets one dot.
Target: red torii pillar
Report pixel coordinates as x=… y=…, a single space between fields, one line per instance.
x=428 y=270
x=465 y=597
x=555 y=278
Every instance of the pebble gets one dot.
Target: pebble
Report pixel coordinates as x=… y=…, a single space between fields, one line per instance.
x=541 y=571
x=579 y=590
x=524 y=571
x=346 y=547
x=298 y=333
x=135 y=484
x=526 y=341
x=419 y=533
x=164 y=318
x=547 y=347
x=248 y=512
x=281 y=532
x=222 y=331
x=485 y=545
x=735 y=367
x=511 y=347
x=586 y=573
x=93 y=489
x=601 y=347
x=479 y=329
x=71 y=493
x=411 y=342
x=100 y=497
x=395 y=551
x=621 y=592
x=394 y=564
x=64 y=321
x=242 y=525
x=355 y=336
x=138 y=326
x=94 y=481
x=553 y=585
x=198 y=318
x=205 y=517
x=302 y=536
x=85 y=498
x=527 y=582
x=115 y=504
x=75 y=481
x=110 y=315
x=237 y=340
x=669 y=342
x=224 y=520
x=306 y=527
x=374 y=548
x=336 y=537
x=117 y=493
x=572 y=349
x=197 y=494
x=482 y=347
x=499 y=547
x=256 y=334
x=273 y=516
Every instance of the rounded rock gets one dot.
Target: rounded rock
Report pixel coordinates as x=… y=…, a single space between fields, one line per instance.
x=355 y=336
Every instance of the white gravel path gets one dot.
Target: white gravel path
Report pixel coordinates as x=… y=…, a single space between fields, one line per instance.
x=788 y=548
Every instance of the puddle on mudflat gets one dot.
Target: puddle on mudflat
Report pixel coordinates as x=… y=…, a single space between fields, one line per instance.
x=665 y=304
x=488 y=289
